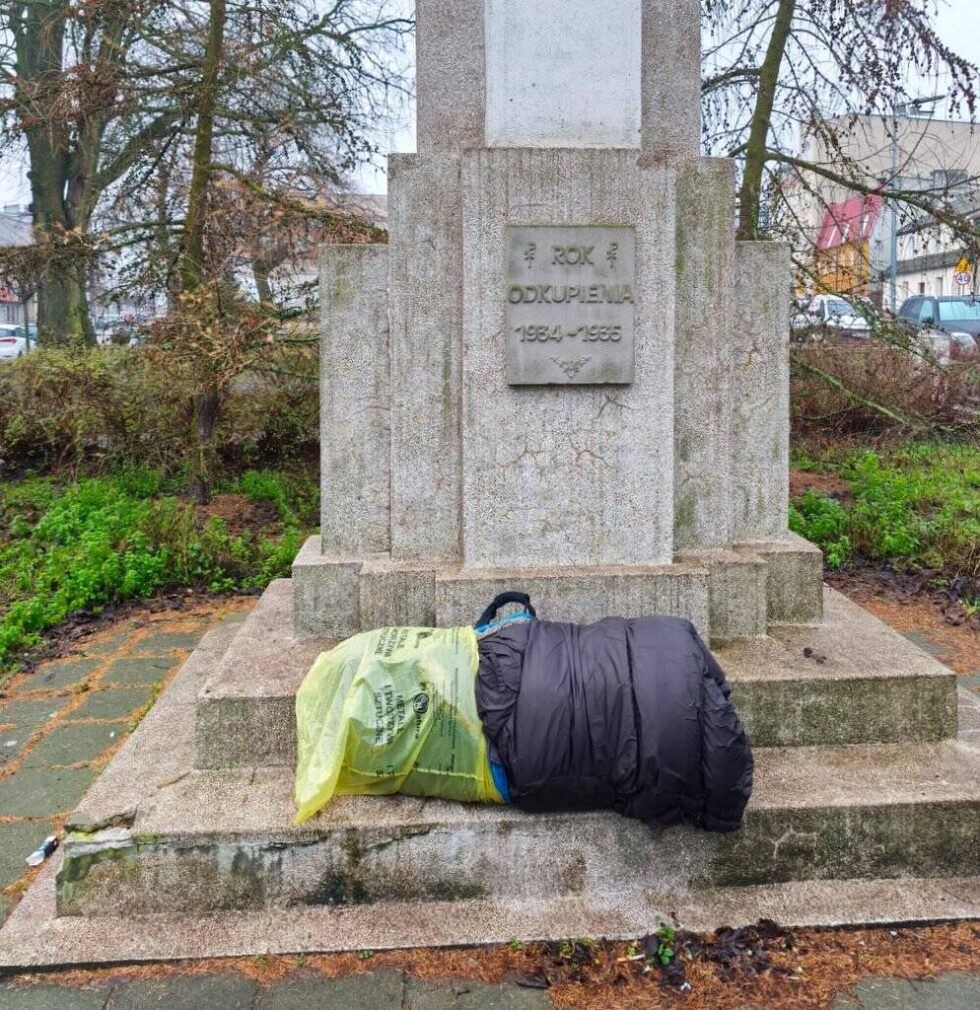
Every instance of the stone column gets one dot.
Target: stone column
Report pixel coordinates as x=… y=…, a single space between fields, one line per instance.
x=451 y=74
x=671 y=105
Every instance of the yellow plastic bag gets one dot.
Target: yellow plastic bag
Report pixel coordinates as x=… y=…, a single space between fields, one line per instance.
x=393 y=711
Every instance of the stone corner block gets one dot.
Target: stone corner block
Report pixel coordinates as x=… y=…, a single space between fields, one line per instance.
x=795 y=578
x=326 y=593
x=396 y=595
x=737 y=586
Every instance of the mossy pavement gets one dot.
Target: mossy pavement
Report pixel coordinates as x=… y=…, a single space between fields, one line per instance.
x=61 y=723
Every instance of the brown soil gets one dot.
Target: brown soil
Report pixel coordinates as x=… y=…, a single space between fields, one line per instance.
x=761 y=966
x=240 y=514
x=801 y=481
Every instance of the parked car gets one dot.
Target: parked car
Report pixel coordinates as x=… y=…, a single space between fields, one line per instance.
x=13 y=342
x=834 y=315
x=947 y=326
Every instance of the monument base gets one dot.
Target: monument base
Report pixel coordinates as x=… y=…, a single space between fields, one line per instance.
x=726 y=594
x=865 y=810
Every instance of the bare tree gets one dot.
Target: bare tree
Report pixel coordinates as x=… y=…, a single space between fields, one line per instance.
x=105 y=97
x=777 y=69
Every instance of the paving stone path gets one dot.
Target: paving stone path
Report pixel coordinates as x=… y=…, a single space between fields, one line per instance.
x=386 y=990
x=389 y=990
x=61 y=724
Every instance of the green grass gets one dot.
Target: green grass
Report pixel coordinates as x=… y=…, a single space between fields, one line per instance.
x=915 y=507
x=80 y=546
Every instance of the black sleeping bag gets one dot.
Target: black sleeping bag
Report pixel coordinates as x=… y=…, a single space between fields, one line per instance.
x=628 y=715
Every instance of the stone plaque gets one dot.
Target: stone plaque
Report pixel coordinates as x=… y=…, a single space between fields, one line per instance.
x=571 y=305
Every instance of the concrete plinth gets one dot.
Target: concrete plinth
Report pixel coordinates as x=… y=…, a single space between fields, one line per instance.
x=870 y=833
x=849 y=680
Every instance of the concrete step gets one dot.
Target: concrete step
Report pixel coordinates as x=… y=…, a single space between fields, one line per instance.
x=153 y=833
x=223 y=839
x=35 y=937
x=849 y=680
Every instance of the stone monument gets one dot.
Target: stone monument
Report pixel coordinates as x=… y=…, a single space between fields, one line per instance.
x=562 y=374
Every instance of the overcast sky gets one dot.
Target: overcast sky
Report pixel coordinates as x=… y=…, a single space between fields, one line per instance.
x=959 y=25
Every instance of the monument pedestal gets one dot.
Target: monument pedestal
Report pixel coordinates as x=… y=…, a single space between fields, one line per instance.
x=865 y=810
x=562 y=375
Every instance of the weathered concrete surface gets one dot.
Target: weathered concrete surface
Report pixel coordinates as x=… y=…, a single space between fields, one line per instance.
x=795 y=582
x=579 y=596
x=224 y=840
x=564 y=73
x=326 y=593
x=849 y=680
x=671 y=86
x=861 y=683
x=760 y=387
x=703 y=359
x=35 y=937
x=737 y=587
x=245 y=713
x=650 y=97
x=426 y=297
x=355 y=390
x=397 y=595
x=450 y=75
x=226 y=837
x=560 y=476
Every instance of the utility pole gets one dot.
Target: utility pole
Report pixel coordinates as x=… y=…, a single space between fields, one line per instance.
x=904 y=110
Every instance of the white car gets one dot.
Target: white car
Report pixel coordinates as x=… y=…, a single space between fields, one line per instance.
x=13 y=343
x=834 y=313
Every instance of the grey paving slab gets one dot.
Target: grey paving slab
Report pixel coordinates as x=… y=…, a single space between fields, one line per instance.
x=880 y=994
x=493 y=997
x=39 y=792
x=17 y=841
x=926 y=643
x=426 y=996
x=113 y=703
x=110 y=645
x=168 y=641
x=187 y=992
x=139 y=670
x=63 y=673
x=52 y=997
x=372 y=991
x=956 y=991
x=74 y=743
x=12 y=743
x=32 y=713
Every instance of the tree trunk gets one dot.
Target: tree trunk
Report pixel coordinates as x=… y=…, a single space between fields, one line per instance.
x=62 y=306
x=750 y=193
x=192 y=267
x=193 y=264
x=207 y=407
x=63 y=316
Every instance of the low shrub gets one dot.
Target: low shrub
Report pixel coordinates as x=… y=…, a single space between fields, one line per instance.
x=915 y=506
x=97 y=411
x=104 y=540
x=875 y=388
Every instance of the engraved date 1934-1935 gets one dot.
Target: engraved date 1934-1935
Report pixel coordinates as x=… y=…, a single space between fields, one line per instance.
x=589 y=334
